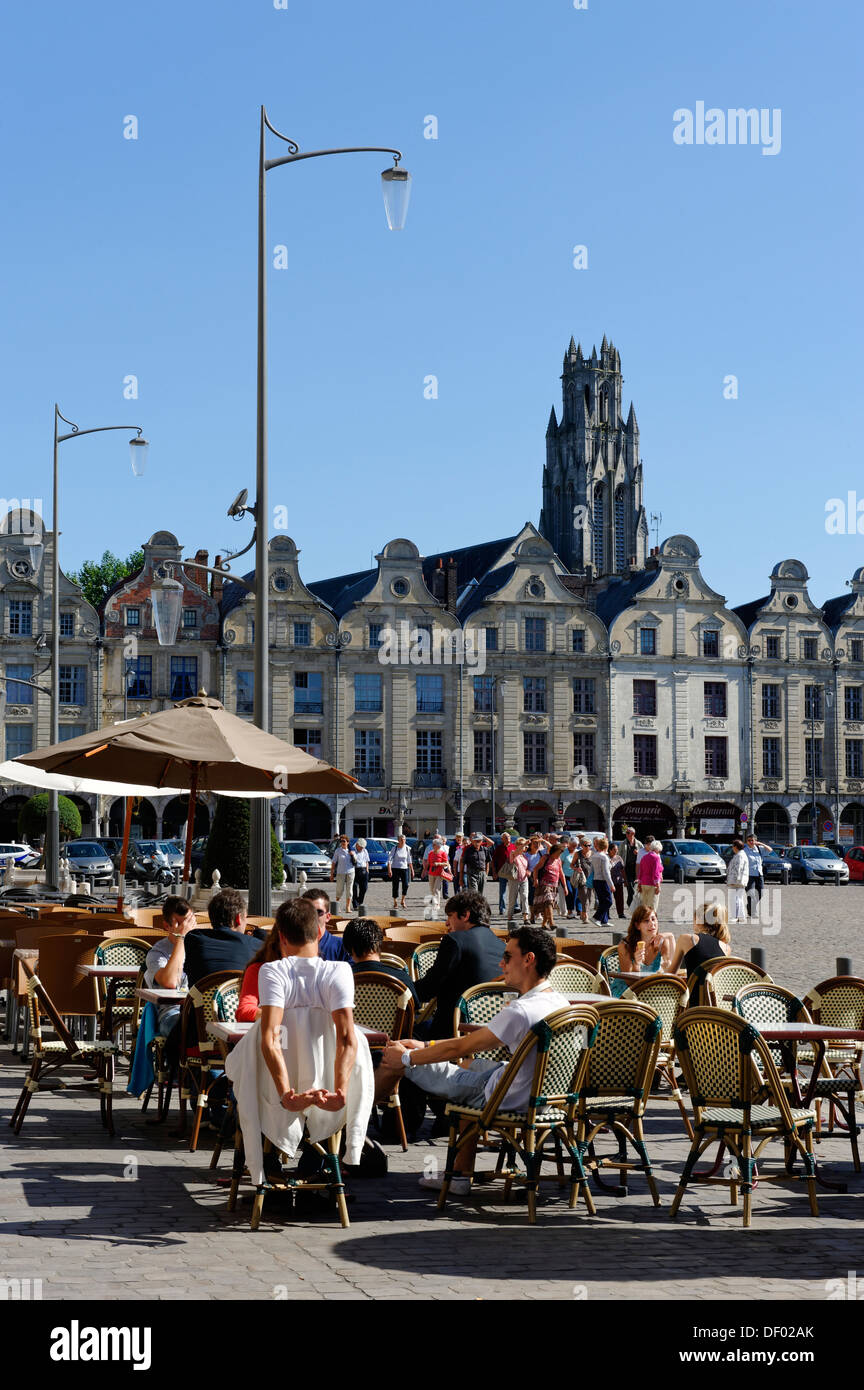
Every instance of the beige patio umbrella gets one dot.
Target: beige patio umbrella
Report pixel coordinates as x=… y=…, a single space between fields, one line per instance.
x=196 y=746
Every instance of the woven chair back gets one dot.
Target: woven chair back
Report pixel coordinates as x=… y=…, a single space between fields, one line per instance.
x=226 y=998
x=724 y=977
x=763 y=1005
x=121 y=950
x=71 y=993
x=665 y=994
x=624 y=1053
x=715 y=1053
x=560 y=1045
x=838 y=1002
x=423 y=959
x=574 y=978
x=200 y=1003
x=382 y=1003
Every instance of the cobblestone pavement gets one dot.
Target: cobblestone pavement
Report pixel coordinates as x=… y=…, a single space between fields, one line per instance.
x=140 y=1217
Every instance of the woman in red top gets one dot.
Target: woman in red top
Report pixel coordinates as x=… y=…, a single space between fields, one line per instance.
x=547 y=875
x=248 y=1008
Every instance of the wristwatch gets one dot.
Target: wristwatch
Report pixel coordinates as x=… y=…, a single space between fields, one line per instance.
x=406 y=1059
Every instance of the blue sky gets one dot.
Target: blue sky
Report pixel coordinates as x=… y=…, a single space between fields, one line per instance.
x=555 y=128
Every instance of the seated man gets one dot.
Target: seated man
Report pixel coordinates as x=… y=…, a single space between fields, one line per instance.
x=164 y=966
x=362 y=941
x=329 y=945
x=304 y=1054
x=528 y=957
x=468 y=955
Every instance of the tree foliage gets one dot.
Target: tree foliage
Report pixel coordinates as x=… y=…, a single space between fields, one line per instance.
x=228 y=846
x=33 y=817
x=98 y=577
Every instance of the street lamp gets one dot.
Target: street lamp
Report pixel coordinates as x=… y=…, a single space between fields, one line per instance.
x=138 y=454
x=396 y=185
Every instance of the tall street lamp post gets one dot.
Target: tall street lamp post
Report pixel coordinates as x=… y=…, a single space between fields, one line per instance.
x=138 y=449
x=396 y=186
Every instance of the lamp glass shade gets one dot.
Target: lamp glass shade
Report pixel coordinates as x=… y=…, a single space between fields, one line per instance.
x=396 y=187
x=167 y=598
x=138 y=450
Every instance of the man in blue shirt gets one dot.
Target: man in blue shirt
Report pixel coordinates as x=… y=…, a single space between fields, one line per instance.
x=753 y=849
x=329 y=946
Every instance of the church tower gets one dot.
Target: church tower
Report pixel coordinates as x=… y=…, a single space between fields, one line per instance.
x=592 y=481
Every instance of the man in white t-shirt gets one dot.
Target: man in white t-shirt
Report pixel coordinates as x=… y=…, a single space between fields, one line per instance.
x=527 y=958
x=303 y=980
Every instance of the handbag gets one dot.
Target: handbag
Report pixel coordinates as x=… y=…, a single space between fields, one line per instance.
x=509 y=871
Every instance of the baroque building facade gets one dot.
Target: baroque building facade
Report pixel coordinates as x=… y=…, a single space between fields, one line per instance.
x=564 y=676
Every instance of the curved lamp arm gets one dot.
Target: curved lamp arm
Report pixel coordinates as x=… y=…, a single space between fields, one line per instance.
x=315 y=154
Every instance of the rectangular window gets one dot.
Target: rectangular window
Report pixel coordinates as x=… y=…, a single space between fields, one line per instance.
x=535 y=634
x=578 y=639
x=19 y=740
x=583 y=694
x=19 y=694
x=715 y=699
x=67 y=624
x=491 y=639
x=810 y=648
x=139 y=678
x=20 y=617
x=648 y=641
x=852 y=702
x=302 y=634
x=245 y=692
x=190 y=617
x=67 y=731
x=430 y=750
x=772 y=646
x=484 y=695
x=367 y=691
x=856 y=649
x=534 y=694
x=710 y=643
x=309 y=740
x=770 y=757
x=584 y=753
x=770 y=703
x=645 y=755
x=430 y=694
x=812 y=746
x=482 y=750
x=308 y=692
x=133 y=617
x=644 y=697
x=716 y=757
x=72 y=686
x=813 y=702
x=534 y=746
x=854 y=757
x=376 y=638
x=184 y=677
x=367 y=751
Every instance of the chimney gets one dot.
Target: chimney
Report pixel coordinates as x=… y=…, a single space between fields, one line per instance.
x=451 y=590
x=197 y=576
x=216 y=581
x=439 y=583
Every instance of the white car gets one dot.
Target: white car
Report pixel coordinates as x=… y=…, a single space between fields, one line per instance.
x=15 y=854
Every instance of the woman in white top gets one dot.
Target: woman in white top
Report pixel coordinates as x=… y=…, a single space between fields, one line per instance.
x=361 y=875
x=737 y=877
x=604 y=888
x=342 y=871
x=400 y=869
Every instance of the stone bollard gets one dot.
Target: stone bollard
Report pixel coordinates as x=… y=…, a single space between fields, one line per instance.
x=617 y=938
x=302 y=879
x=757 y=956
x=843 y=965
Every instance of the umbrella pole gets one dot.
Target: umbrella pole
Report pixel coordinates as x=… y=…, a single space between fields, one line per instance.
x=127 y=826
x=190 y=830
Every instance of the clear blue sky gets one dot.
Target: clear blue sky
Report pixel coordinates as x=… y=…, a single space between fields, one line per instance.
x=555 y=128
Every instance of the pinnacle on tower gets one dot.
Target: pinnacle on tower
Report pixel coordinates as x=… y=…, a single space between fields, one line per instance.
x=552 y=427
x=631 y=419
x=604 y=346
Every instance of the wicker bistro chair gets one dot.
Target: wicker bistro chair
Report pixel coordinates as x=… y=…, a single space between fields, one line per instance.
x=617 y=1086
x=477 y=1006
x=609 y=962
x=561 y=1044
x=569 y=977
x=762 y=1004
x=49 y=1057
x=125 y=1004
x=668 y=996
x=380 y=1002
x=840 y=1003
x=225 y=1001
x=423 y=959
x=200 y=1063
x=721 y=980
x=738 y=1098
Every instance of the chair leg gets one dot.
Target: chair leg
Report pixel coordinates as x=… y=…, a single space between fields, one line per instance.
x=257 y=1207
x=746 y=1164
x=30 y=1085
x=108 y=1089
x=639 y=1144
x=196 y=1123
x=396 y=1105
x=685 y=1176
x=853 y=1133
x=237 y=1169
x=810 y=1172
x=336 y=1173
x=452 y=1145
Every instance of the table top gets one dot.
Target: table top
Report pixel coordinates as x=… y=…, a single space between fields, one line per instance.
x=788 y=1032
x=162 y=996
x=108 y=972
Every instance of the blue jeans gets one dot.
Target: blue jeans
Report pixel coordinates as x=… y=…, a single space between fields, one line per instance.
x=502 y=896
x=461 y=1085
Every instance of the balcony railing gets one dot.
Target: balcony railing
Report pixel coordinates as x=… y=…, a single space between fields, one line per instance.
x=423 y=778
x=370 y=776
x=308 y=706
